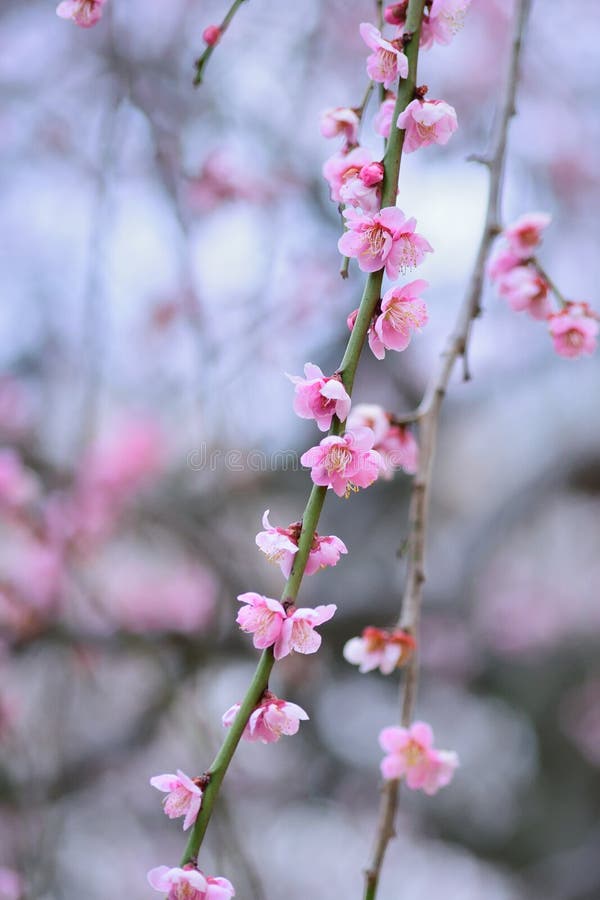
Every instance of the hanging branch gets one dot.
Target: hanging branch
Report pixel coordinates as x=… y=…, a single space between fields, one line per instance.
x=312 y=512
x=427 y=416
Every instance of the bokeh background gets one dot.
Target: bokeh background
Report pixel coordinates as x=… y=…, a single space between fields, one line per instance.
x=167 y=254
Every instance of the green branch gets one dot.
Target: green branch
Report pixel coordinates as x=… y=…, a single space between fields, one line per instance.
x=208 y=52
x=314 y=506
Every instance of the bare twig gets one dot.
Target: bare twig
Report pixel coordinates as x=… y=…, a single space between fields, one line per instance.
x=428 y=416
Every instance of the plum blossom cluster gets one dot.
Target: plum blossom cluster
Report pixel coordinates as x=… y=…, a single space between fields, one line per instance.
x=520 y=280
x=410 y=755
x=362 y=444
x=280 y=545
x=52 y=531
x=286 y=629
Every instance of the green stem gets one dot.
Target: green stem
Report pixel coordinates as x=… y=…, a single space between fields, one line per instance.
x=314 y=506
x=223 y=758
x=208 y=52
x=558 y=294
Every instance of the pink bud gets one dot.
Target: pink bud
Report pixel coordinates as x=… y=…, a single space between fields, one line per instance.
x=371 y=174
x=351 y=320
x=211 y=35
x=395 y=14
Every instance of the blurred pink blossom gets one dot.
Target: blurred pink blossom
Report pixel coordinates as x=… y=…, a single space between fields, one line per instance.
x=411 y=755
x=18 y=486
x=524 y=289
x=340 y=121
x=84 y=13
x=574 y=330
x=378 y=648
x=395 y=444
x=11 y=884
x=398 y=450
x=382 y=121
x=446 y=18
x=525 y=235
x=148 y=600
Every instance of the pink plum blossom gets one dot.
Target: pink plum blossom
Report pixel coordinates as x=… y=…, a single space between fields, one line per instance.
x=261 y=616
x=344 y=463
x=402 y=312
x=384 y=239
x=379 y=649
x=525 y=235
x=18 y=487
x=285 y=630
x=298 y=630
x=320 y=397
x=340 y=120
x=387 y=62
x=411 y=755
x=382 y=122
x=189 y=884
x=280 y=545
x=524 y=289
x=398 y=450
x=355 y=179
x=396 y=446
x=184 y=796
x=446 y=18
x=270 y=720
x=211 y=35
x=84 y=13
x=574 y=330
x=427 y=122
x=502 y=262
x=11 y=884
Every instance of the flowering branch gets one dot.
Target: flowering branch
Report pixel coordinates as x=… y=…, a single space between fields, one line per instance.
x=212 y=34
x=427 y=416
x=310 y=518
